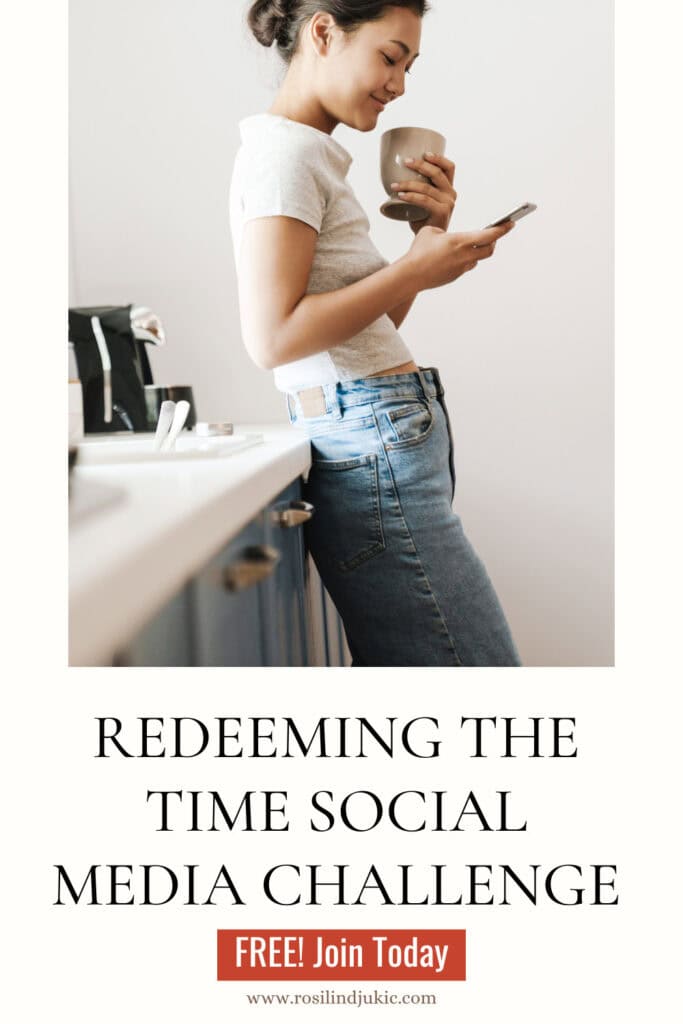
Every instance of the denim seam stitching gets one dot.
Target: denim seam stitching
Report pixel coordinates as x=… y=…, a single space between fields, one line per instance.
x=405 y=410
x=377 y=396
x=339 y=426
x=451 y=452
x=412 y=541
x=379 y=544
x=412 y=441
x=337 y=465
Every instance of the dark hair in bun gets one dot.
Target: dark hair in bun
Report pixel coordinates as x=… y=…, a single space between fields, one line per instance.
x=280 y=21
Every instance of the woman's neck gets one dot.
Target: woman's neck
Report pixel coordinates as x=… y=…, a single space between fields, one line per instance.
x=295 y=102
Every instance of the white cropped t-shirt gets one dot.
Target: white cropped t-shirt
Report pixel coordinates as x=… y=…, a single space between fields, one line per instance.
x=285 y=168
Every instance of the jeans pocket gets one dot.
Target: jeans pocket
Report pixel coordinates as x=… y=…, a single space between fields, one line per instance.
x=411 y=423
x=346 y=528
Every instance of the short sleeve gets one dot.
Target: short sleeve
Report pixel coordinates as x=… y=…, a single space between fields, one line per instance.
x=284 y=176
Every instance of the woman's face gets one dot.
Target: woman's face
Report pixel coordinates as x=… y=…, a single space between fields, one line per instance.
x=369 y=66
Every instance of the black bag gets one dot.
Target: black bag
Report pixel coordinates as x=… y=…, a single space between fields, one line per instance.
x=113 y=368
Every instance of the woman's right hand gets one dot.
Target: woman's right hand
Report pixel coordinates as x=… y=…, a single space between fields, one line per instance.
x=440 y=257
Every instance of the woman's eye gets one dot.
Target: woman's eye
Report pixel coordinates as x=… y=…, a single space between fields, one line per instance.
x=392 y=62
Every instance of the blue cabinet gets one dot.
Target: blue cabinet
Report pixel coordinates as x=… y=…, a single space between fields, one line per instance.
x=166 y=640
x=258 y=602
x=228 y=613
x=286 y=641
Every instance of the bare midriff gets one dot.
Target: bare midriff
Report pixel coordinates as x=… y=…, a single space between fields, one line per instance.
x=409 y=367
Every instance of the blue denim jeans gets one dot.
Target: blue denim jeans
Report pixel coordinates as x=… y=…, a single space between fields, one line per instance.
x=389 y=548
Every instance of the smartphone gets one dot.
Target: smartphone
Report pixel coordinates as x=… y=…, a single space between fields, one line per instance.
x=517 y=214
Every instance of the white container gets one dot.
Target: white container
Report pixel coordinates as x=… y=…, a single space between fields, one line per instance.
x=213 y=429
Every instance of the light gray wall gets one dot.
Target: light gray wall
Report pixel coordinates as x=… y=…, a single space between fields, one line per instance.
x=523 y=93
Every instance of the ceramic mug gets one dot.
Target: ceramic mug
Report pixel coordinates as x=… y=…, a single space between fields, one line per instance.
x=395 y=146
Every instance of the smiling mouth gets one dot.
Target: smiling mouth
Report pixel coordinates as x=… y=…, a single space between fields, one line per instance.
x=380 y=103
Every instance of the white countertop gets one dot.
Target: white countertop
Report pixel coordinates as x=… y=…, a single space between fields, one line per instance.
x=128 y=558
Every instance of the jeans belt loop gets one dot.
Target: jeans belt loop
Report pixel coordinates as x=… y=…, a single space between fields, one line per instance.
x=423 y=382
x=332 y=403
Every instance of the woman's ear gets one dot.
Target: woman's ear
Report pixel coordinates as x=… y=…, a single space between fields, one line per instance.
x=321 y=30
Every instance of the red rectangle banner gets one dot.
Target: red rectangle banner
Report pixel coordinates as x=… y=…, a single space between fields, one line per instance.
x=359 y=955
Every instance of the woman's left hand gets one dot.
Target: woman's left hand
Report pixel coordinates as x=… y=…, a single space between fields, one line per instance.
x=438 y=197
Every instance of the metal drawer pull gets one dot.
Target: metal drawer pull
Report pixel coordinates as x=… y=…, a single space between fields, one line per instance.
x=255 y=564
x=294 y=514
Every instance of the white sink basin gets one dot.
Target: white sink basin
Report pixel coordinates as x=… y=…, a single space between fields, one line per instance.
x=140 y=448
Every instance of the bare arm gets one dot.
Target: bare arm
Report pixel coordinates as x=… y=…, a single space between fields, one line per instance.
x=400 y=312
x=280 y=322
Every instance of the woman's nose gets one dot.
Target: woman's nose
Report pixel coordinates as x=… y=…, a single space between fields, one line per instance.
x=396 y=86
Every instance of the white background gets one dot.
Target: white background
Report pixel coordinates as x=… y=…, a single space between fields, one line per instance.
x=519 y=957
x=618 y=802
x=523 y=93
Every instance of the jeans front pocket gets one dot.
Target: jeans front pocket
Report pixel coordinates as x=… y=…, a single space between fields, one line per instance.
x=346 y=528
x=411 y=423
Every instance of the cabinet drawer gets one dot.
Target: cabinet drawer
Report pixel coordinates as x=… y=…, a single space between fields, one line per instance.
x=228 y=603
x=285 y=612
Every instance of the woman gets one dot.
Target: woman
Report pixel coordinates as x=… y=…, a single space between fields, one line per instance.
x=320 y=306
